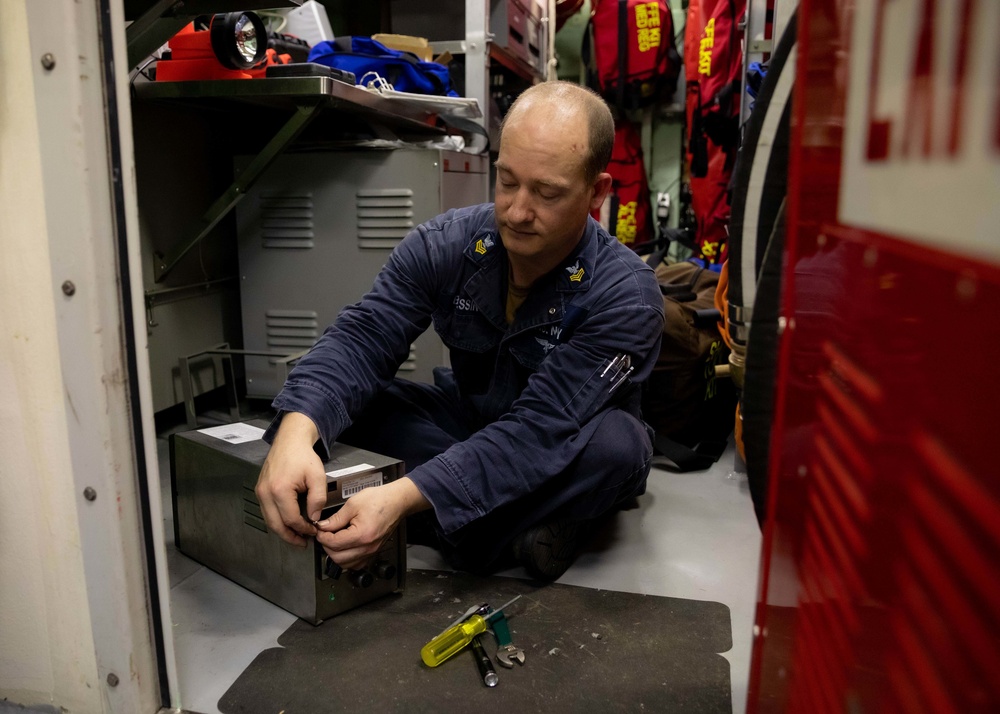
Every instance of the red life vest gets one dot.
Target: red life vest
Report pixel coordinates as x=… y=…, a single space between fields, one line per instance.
x=635 y=61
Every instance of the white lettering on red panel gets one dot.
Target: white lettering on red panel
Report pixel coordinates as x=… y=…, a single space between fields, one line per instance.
x=922 y=123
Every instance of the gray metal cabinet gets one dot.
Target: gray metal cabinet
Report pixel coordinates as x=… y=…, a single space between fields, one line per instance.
x=316 y=229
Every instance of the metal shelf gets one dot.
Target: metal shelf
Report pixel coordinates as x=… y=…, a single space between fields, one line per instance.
x=305 y=98
x=293 y=92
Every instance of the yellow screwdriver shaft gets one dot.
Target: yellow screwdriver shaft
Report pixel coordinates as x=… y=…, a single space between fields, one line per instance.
x=452 y=641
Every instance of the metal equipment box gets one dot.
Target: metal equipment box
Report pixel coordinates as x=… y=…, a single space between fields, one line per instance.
x=315 y=230
x=519 y=26
x=218 y=522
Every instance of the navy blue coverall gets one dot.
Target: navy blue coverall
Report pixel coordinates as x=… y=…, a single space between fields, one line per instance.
x=535 y=419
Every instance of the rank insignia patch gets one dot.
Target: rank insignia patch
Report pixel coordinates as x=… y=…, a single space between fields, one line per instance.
x=575 y=272
x=483 y=245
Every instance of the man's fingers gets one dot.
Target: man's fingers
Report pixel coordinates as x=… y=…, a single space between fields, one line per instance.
x=291 y=467
x=316 y=495
x=340 y=519
x=351 y=559
x=287 y=502
x=347 y=540
x=274 y=523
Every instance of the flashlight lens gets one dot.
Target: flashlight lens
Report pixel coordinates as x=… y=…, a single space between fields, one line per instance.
x=246 y=39
x=239 y=39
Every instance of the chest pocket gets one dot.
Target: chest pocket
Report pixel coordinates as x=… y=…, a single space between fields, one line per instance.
x=465 y=329
x=530 y=348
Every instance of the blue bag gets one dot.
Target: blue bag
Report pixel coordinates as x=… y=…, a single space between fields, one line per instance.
x=403 y=70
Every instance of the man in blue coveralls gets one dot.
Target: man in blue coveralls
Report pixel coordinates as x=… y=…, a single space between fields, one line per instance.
x=535 y=431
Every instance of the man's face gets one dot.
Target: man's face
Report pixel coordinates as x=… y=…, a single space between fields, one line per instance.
x=542 y=198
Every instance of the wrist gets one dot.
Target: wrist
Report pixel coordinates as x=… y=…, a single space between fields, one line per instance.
x=411 y=499
x=297 y=428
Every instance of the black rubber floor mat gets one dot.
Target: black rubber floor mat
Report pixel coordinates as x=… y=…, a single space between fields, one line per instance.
x=585 y=651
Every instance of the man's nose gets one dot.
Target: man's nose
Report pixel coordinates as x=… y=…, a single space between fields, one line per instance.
x=521 y=209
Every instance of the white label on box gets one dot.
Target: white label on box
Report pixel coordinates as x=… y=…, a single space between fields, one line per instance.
x=360 y=484
x=348 y=470
x=238 y=433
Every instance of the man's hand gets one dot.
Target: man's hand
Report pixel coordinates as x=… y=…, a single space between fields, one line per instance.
x=292 y=467
x=354 y=534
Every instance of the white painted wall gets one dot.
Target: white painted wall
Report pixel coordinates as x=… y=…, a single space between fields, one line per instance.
x=73 y=599
x=43 y=600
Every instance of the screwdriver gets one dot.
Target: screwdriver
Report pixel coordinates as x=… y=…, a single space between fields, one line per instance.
x=454 y=639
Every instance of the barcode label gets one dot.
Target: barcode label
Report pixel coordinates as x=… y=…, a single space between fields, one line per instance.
x=360 y=484
x=238 y=433
x=347 y=471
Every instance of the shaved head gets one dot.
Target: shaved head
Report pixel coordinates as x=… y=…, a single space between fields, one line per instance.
x=559 y=105
x=555 y=143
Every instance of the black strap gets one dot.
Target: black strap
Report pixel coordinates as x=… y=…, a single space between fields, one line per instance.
x=681 y=292
x=658 y=248
x=686 y=459
x=614 y=203
x=622 y=51
x=585 y=50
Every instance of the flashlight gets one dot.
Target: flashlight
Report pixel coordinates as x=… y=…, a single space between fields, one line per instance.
x=239 y=39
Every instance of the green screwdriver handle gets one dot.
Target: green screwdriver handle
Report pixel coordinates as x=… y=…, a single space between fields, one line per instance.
x=452 y=641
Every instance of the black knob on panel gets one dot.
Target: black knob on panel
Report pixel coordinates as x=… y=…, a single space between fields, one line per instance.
x=385 y=570
x=331 y=569
x=361 y=578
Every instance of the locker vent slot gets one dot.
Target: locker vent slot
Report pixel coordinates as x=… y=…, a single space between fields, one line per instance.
x=287 y=221
x=950 y=539
x=291 y=328
x=384 y=217
x=835 y=548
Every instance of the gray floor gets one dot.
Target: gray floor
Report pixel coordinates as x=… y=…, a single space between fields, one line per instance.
x=693 y=536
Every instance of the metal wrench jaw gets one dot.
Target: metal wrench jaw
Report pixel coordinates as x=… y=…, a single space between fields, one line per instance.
x=510 y=652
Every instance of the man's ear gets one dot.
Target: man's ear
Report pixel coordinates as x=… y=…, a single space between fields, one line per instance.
x=602 y=186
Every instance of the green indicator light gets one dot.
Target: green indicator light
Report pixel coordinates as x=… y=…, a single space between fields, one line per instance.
x=332 y=597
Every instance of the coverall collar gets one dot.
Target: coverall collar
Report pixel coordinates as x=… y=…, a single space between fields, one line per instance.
x=573 y=275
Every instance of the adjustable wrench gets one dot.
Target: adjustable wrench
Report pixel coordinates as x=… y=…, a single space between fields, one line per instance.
x=507 y=651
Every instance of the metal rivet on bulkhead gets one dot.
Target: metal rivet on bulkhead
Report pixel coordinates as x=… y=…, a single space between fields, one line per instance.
x=112 y=679
x=48 y=60
x=89 y=493
x=68 y=287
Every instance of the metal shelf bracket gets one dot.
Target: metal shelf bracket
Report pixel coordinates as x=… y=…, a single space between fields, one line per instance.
x=304 y=114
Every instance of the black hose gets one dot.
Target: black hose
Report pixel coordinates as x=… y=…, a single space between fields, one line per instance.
x=760 y=179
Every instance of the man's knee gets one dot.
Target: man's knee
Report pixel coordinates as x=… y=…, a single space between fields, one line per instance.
x=409 y=421
x=614 y=464
x=620 y=442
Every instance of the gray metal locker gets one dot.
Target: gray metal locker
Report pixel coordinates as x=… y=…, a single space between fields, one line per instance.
x=316 y=229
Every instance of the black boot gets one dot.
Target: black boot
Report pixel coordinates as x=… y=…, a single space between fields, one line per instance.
x=547 y=550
